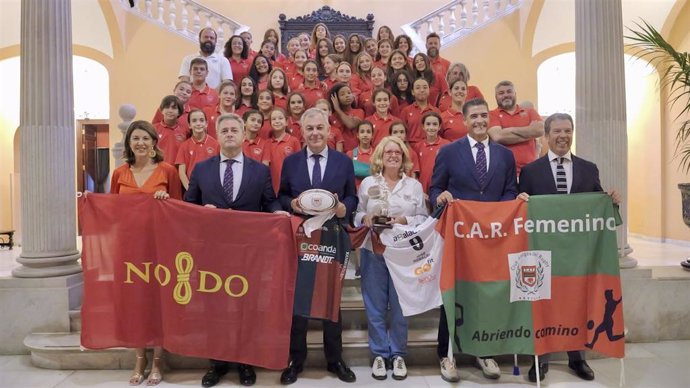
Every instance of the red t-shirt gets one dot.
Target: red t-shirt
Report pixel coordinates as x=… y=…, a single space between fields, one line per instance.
x=192 y=151
x=281 y=149
x=240 y=69
x=412 y=115
x=349 y=135
x=381 y=127
x=258 y=149
x=169 y=140
x=203 y=98
x=525 y=152
x=440 y=65
x=427 y=158
x=280 y=101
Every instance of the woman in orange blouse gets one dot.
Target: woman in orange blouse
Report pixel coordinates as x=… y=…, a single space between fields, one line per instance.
x=145 y=172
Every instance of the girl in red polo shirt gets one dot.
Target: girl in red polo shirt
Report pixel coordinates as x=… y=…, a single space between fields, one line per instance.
x=330 y=65
x=396 y=62
x=385 y=32
x=453 y=126
x=339 y=46
x=304 y=41
x=355 y=45
x=261 y=68
x=428 y=149
x=383 y=53
x=312 y=89
x=335 y=138
x=366 y=100
x=296 y=106
x=282 y=144
x=237 y=53
x=197 y=148
x=265 y=104
x=344 y=115
x=288 y=64
x=361 y=79
x=344 y=75
x=401 y=88
x=399 y=130
x=249 y=94
x=361 y=154
x=324 y=47
x=170 y=133
x=320 y=31
x=228 y=100
x=254 y=146
x=277 y=84
x=371 y=47
x=183 y=91
x=268 y=50
x=381 y=119
x=297 y=78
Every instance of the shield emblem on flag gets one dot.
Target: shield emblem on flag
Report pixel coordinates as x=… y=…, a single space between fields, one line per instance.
x=529 y=274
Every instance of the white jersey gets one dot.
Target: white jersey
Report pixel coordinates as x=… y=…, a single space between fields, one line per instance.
x=413 y=258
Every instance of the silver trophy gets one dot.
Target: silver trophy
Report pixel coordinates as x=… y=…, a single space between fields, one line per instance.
x=379 y=194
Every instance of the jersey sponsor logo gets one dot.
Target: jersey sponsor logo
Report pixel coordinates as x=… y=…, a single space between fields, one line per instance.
x=256 y=151
x=530 y=275
x=417 y=243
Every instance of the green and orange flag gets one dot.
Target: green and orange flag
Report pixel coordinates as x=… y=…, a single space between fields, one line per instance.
x=532 y=277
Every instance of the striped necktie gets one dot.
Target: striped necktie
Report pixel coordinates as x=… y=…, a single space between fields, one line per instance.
x=561 y=180
x=480 y=164
x=228 y=184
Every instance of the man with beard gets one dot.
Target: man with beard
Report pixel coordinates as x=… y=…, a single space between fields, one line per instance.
x=476 y=169
x=317 y=167
x=438 y=64
x=218 y=66
x=233 y=181
x=520 y=127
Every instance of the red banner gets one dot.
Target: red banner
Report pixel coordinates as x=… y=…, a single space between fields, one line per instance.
x=200 y=282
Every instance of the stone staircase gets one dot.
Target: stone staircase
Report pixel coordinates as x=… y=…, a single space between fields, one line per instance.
x=63 y=350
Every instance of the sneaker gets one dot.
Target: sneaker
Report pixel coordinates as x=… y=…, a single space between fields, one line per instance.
x=448 y=370
x=378 y=369
x=489 y=368
x=399 y=368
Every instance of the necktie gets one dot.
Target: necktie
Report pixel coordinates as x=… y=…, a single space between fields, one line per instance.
x=480 y=164
x=561 y=181
x=228 y=180
x=316 y=172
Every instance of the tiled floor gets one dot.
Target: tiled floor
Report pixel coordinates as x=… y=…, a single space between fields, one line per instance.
x=663 y=364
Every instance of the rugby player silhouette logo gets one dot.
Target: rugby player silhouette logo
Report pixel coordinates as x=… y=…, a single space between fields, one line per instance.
x=606 y=324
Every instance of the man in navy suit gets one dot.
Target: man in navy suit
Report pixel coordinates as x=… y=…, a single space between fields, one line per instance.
x=317 y=167
x=231 y=181
x=561 y=172
x=471 y=168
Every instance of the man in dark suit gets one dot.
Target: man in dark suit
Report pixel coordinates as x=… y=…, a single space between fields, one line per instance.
x=471 y=168
x=561 y=172
x=231 y=181
x=317 y=167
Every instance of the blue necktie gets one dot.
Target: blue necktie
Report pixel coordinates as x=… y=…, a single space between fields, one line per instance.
x=480 y=164
x=228 y=180
x=316 y=172
x=561 y=180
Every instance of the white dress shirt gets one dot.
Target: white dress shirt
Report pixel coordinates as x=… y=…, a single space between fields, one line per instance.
x=322 y=162
x=237 y=168
x=567 y=166
x=474 y=150
x=406 y=199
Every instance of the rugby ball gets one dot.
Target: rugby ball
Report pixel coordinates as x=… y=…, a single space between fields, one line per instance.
x=317 y=201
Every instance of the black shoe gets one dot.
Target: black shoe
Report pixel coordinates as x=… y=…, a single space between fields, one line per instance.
x=582 y=370
x=290 y=373
x=532 y=374
x=247 y=374
x=213 y=376
x=342 y=371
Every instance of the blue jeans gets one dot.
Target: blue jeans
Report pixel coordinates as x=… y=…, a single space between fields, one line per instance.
x=379 y=296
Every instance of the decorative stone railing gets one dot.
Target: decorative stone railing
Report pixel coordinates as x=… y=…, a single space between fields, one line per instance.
x=185 y=17
x=458 y=19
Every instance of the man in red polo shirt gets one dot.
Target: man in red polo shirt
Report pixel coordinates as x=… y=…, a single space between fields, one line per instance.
x=203 y=95
x=433 y=48
x=516 y=128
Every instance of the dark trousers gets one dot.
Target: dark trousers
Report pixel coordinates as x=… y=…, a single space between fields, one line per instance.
x=332 y=340
x=223 y=366
x=443 y=335
x=573 y=356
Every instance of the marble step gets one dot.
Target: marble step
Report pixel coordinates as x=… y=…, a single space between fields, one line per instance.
x=63 y=351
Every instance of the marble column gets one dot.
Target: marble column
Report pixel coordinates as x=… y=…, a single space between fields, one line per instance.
x=47 y=126
x=601 y=129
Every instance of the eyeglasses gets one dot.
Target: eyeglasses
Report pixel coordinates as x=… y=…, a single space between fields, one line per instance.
x=392 y=153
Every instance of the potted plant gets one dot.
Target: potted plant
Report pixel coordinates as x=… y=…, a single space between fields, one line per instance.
x=674 y=71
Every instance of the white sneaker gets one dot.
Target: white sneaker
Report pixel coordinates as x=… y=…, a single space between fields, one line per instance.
x=489 y=368
x=448 y=370
x=399 y=368
x=378 y=369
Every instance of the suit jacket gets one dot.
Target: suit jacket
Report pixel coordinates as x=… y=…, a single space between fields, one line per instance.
x=454 y=171
x=255 y=194
x=338 y=178
x=537 y=177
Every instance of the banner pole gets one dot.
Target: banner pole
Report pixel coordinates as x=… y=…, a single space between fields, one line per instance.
x=536 y=365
